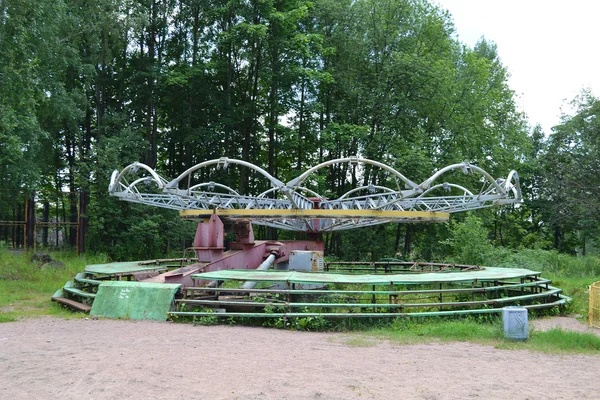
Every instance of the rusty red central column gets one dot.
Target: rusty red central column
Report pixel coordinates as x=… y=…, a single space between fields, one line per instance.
x=209 y=241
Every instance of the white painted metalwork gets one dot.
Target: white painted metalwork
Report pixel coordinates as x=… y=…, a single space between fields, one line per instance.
x=147 y=187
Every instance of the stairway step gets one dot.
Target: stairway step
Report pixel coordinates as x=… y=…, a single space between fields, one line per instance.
x=73 y=304
x=79 y=292
x=86 y=280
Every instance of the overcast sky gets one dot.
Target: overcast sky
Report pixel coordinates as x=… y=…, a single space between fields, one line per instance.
x=551 y=48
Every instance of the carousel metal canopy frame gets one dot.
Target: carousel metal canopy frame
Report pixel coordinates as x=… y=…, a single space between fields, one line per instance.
x=295 y=206
x=294 y=268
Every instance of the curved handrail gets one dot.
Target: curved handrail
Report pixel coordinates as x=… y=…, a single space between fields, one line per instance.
x=467 y=168
x=214 y=184
x=515 y=187
x=174 y=184
x=302 y=188
x=442 y=185
x=352 y=160
x=116 y=177
x=368 y=187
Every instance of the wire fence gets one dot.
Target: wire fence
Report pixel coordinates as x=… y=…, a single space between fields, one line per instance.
x=42 y=220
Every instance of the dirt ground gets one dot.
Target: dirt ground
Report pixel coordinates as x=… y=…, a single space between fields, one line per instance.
x=109 y=359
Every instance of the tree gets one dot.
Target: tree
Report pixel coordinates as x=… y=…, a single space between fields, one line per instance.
x=30 y=38
x=469 y=243
x=88 y=87
x=571 y=183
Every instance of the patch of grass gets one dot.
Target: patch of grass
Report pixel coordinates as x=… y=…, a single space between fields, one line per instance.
x=560 y=341
x=361 y=341
x=26 y=289
x=7 y=318
x=404 y=330
x=408 y=331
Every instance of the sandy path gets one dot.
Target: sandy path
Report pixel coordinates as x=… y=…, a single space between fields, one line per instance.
x=105 y=359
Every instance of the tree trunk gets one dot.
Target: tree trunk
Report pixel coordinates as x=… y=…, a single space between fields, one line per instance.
x=69 y=148
x=73 y=219
x=30 y=226
x=151 y=123
x=397 y=241
x=557 y=236
x=83 y=222
x=46 y=219
x=407 y=242
x=17 y=235
x=301 y=125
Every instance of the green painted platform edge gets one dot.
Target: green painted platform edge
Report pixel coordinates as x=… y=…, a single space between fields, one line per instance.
x=486 y=274
x=127 y=267
x=134 y=300
x=140 y=284
x=81 y=277
x=79 y=292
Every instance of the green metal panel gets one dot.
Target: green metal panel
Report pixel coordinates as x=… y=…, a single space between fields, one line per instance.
x=120 y=268
x=486 y=274
x=134 y=300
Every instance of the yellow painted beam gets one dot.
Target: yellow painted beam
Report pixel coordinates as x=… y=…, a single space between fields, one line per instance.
x=318 y=213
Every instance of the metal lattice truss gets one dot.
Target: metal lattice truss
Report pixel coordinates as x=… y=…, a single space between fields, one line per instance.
x=293 y=206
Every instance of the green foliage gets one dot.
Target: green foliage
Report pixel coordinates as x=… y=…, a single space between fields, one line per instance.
x=310 y=323
x=568 y=200
x=468 y=242
x=572 y=274
x=551 y=262
x=368 y=244
x=139 y=233
x=30 y=38
x=208 y=320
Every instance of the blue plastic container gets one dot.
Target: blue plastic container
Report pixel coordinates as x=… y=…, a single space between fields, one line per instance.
x=516 y=325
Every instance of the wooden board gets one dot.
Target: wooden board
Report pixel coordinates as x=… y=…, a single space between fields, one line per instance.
x=73 y=304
